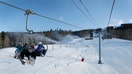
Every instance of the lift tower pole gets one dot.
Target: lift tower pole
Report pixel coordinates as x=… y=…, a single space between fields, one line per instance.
x=100 y=62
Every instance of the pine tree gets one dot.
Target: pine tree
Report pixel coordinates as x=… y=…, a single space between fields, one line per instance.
x=3 y=38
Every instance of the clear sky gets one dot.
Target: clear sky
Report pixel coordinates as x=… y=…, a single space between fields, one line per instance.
x=12 y=19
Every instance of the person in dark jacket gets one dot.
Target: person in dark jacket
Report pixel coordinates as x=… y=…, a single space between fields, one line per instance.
x=28 y=51
x=25 y=51
x=32 y=51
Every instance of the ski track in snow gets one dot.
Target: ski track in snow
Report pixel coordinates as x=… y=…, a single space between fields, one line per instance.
x=66 y=58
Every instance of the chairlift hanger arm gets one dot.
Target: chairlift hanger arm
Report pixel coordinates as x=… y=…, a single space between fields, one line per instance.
x=27 y=13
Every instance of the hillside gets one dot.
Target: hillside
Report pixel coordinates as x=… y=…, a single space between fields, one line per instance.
x=64 y=58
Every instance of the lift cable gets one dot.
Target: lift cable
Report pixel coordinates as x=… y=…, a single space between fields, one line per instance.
x=57 y=20
x=83 y=12
x=111 y=12
x=12 y=6
x=88 y=11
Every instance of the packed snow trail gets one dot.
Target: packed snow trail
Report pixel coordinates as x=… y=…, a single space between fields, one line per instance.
x=66 y=58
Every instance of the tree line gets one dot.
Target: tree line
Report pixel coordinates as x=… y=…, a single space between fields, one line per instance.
x=10 y=39
x=122 y=32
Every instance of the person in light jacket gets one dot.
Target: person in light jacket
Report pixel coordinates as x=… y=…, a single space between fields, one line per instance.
x=19 y=49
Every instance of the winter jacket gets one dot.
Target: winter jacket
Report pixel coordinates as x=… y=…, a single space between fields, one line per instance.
x=31 y=49
x=19 y=48
x=39 y=49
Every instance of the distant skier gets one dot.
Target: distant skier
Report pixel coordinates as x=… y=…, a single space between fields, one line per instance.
x=40 y=50
x=19 y=49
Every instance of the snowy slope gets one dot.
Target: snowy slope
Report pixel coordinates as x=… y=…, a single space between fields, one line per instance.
x=64 y=58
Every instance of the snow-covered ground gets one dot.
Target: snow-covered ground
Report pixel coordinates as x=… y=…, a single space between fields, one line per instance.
x=65 y=58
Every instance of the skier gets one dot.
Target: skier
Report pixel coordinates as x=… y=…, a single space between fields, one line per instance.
x=40 y=50
x=29 y=52
x=32 y=51
x=25 y=51
x=18 y=50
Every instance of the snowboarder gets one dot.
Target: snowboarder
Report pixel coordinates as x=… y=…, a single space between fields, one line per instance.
x=40 y=50
x=18 y=50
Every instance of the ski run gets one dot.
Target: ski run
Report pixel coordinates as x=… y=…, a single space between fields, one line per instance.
x=65 y=58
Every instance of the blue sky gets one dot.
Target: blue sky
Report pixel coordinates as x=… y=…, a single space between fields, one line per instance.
x=12 y=19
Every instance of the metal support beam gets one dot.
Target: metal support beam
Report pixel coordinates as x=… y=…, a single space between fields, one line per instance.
x=99 y=62
x=27 y=13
